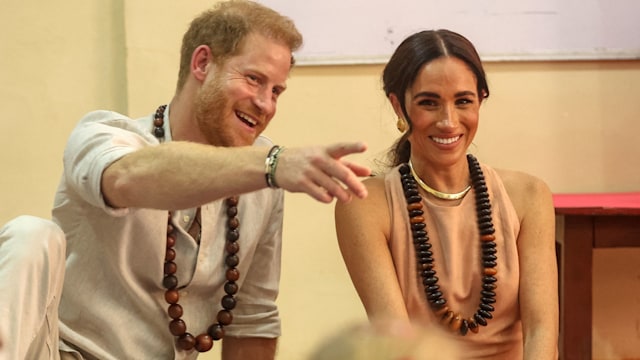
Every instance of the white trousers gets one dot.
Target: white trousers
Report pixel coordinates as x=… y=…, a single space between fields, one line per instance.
x=32 y=263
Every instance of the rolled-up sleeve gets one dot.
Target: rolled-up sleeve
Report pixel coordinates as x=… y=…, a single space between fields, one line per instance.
x=99 y=139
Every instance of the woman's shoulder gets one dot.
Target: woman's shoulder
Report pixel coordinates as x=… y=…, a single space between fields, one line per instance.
x=376 y=190
x=376 y=196
x=524 y=189
x=365 y=216
x=520 y=181
x=375 y=182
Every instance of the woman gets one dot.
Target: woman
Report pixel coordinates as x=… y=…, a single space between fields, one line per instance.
x=477 y=255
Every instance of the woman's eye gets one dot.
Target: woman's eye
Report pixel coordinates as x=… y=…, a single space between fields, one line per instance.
x=427 y=102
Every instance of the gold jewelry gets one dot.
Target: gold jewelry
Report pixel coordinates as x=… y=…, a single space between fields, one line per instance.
x=436 y=193
x=401 y=124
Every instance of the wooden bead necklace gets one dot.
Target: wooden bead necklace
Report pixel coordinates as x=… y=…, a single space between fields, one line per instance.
x=177 y=326
x=424 y=256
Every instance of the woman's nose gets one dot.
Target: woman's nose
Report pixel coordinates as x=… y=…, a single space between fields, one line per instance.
x=449 y=118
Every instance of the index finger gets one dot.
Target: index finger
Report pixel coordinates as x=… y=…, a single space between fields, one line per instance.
x=339 y=150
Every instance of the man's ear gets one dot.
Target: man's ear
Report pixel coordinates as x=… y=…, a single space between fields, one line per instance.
x=201 y=62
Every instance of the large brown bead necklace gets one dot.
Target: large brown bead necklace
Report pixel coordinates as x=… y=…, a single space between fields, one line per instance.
x=455 y=321
x=177 y=326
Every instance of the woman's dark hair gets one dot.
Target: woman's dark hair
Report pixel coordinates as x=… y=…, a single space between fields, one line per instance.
x=407 y=61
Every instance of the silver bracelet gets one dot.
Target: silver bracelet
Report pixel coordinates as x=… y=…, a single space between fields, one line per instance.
x=270 y=164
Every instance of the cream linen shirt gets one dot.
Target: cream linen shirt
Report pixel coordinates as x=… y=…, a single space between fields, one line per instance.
x=113 y=303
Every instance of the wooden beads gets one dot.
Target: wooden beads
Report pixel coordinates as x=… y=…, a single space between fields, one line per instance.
x=424 y=257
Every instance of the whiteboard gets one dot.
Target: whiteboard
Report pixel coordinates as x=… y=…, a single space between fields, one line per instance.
x=368 y=31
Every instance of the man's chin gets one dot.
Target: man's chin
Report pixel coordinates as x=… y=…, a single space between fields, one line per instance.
x=241 y=142
x=231 y=141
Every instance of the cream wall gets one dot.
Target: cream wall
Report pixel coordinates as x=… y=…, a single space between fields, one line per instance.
x=574 y=124
x=57 y=61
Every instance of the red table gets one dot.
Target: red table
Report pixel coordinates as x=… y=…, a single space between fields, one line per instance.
x=585 y=222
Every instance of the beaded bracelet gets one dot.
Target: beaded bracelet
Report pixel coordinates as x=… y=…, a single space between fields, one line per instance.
x=270 y=164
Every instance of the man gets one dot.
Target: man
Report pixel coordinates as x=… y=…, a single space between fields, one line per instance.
x=172 y=223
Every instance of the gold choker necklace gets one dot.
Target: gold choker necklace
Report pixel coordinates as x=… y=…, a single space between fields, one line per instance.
x=436 y=193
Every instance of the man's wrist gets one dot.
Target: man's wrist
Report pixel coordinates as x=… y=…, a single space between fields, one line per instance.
x=270 y=164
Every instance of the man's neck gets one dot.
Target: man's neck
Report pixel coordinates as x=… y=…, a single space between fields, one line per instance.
x=182 y=117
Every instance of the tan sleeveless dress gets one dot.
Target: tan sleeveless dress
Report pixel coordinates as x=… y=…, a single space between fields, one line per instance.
x=453 y=233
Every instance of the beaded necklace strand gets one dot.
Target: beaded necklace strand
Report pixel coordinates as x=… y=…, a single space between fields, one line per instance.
x=177 y=326
x=424 y=256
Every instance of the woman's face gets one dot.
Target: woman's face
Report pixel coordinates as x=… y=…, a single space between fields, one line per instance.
x=443 y=105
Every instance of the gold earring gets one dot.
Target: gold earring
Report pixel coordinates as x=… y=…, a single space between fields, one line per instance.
x=401 y=125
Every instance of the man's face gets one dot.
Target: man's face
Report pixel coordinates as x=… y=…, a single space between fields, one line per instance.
x=238 y=99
